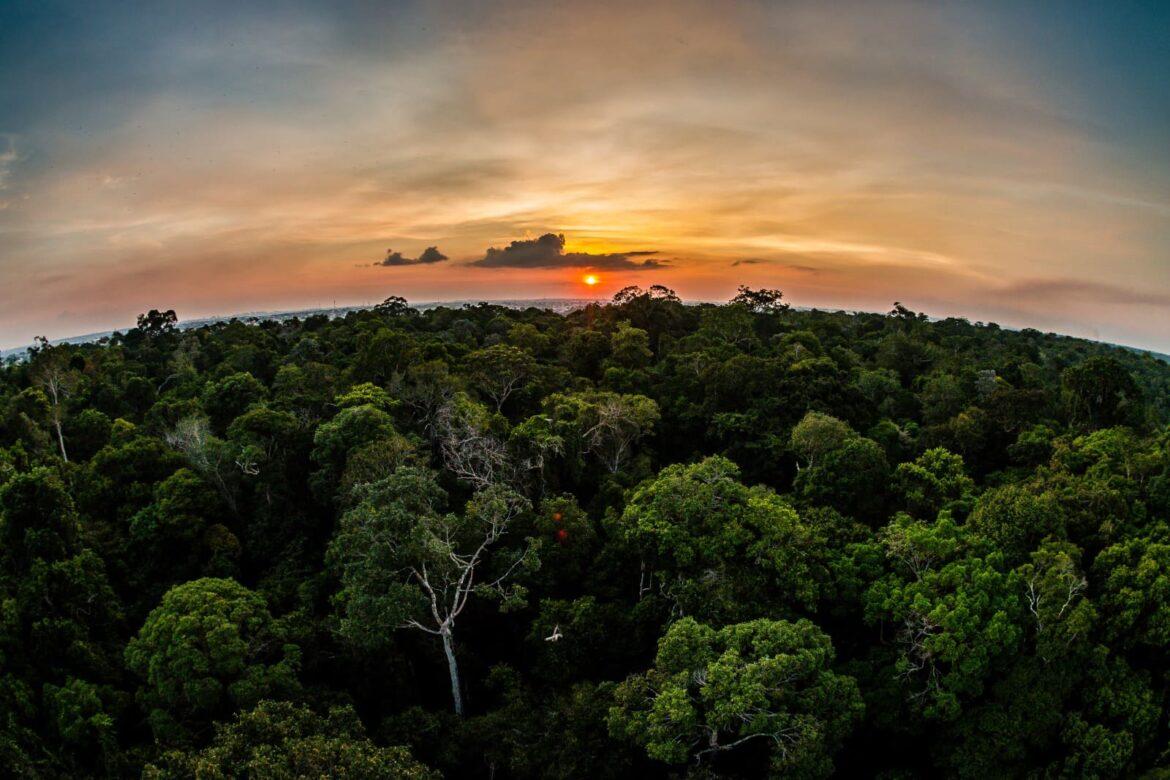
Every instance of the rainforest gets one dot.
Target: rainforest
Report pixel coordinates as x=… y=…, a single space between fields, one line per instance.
x=641 y=538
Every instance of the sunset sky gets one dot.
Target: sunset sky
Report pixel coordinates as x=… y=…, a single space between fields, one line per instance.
x=998 y=161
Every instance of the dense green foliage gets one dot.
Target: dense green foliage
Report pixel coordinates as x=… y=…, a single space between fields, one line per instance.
x=638 y=539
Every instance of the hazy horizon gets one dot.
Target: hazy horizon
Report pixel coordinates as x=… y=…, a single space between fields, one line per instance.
x=198 y=321
x=995 y=161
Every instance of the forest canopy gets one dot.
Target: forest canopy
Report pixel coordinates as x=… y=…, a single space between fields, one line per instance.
x=642 y=538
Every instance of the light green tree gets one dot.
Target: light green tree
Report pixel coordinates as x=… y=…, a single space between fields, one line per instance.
x=714 y=691
x=717 y=547
x=210 y=647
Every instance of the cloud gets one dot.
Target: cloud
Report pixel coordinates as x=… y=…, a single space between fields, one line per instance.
x=548 y=251
x=1066 y=291
x=429 y=256
x=8 y=159
x=794 y=267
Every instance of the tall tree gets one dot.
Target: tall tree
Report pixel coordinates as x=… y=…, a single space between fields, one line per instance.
x=59 y=380
x=403 y=564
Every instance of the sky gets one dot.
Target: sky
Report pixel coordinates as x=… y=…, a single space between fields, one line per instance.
x=1005 y=162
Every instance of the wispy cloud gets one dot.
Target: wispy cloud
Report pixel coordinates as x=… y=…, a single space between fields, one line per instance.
x=8 y=159
x=777 y=264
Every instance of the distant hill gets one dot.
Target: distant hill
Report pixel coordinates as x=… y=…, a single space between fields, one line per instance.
x=1159 y=355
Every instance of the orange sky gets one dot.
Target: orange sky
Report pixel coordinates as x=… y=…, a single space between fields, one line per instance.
x=851 y=154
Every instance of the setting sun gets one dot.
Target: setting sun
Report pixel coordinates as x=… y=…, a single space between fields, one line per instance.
x=590 y=280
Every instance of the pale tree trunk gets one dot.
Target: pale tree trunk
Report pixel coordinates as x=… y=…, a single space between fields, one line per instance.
x=453 y=669
x=54 y=386
x=60 y=439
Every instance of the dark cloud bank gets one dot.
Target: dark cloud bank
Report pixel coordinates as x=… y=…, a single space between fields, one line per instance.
x=548 y=251
x=430 y=255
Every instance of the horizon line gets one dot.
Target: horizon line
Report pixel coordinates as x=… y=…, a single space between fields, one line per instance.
x=197 y=322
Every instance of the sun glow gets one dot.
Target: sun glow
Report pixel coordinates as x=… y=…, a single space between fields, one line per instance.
x=590 y=280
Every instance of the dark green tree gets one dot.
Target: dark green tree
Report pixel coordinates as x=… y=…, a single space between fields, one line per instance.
x=280 y=739
x=209 y=648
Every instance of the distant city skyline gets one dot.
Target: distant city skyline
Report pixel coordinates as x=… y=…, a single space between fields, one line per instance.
x=997 y=161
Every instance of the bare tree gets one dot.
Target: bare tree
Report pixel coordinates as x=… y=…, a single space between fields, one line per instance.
x=58 y=385
x=621 y=420
x=917 y=632
x=468 y=447
x=1054 y=590
x=58 y=381
x=451 y=579
x=207 y=455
